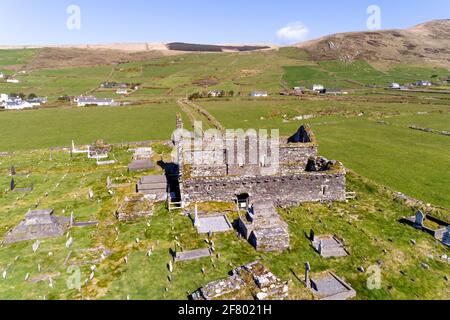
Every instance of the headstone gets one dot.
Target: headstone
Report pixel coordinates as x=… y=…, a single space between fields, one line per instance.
x=312 y=235
x=320 y=246
x=12 y=185
x=446 y=237
x=36 y=246
x=308 y=270
x=69 y=243
x=420 y=218
x=13 y=171
x=196 y=220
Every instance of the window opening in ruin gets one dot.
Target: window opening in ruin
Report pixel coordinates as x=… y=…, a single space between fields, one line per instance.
x=324 y=190
x=243 y=201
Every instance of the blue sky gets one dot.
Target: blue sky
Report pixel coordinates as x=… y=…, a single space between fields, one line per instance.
x=202 y=21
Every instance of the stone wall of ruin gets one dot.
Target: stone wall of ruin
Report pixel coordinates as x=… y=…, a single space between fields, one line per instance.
x=293 y=158
x=284 y=190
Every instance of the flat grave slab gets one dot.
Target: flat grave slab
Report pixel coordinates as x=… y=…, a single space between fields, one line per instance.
x=140 y=165
x=331 y=287
x=214 y=224
x=329 y=247
x=193 y=255
x=155 y=187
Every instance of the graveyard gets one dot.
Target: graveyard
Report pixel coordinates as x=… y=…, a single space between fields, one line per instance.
x=161 y=254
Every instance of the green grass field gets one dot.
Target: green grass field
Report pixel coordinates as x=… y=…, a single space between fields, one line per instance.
x=44 y=128
x=338 y=74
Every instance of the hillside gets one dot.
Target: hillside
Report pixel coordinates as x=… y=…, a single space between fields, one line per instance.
x=428 y=42
x=56 y=58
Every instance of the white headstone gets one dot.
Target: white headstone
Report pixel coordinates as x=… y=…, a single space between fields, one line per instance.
x=196 y=220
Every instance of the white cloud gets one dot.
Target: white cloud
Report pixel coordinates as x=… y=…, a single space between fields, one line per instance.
x=293 y=32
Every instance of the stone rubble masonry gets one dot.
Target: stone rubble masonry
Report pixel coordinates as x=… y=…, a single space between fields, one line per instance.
x=290 y=184
x=264 y=228
x=286 y=191
x=133 y=208
x=254 y=278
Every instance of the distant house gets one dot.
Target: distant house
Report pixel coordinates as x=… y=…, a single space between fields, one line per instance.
x=448 y=80
x=2 y=75
x=12 y=80
x=17 y=104
x=422 y=83
x=318 y=88
x=122 y=91
x=335 y=91
x=258 y=94
x=216 y=93
x=93 y=101
x=108 y=85
x=36 y=102
x=394 y=85
x=3 y=98
x=112 y=85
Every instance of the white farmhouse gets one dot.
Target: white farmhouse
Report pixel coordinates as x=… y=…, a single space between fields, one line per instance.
x=12 y=80
x=394 y=85
x=93 y=101
x=122 y=91
x=2 y=75
x=17 y=104
x=216 y=93
x=3 y=98
x=259 y=94
x=318 y=87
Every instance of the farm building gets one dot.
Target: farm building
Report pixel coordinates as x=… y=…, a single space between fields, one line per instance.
x=17 y=104
x=319 y=88
x=394 y=85
x=122 y=91
x=93 y=101
x=12 y=80
x=3 y=98
x=36 y=102
x=422 y=83
x=259 y=94
x=216 y=93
